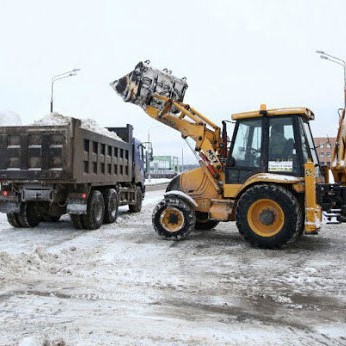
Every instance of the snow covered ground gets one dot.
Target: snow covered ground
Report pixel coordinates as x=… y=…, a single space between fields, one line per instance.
x=122 y=285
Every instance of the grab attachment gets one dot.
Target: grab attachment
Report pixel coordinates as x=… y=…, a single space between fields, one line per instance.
x=140 y=85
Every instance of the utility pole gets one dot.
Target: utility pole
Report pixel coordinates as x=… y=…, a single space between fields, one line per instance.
x=341 y=62
x=58 y=77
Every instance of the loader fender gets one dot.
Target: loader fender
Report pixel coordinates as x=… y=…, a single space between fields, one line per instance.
x=181 y=195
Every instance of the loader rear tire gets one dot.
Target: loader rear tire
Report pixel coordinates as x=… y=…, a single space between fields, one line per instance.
x=93 y=219
x=203 y=223
x=111 y=205
x=28 y=215
x=12 y=219
x=76 y=220
x=269 y=216
x=173 y=219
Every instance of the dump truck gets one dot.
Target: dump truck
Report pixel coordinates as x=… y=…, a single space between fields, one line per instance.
x=50 y=170
x=267 y=178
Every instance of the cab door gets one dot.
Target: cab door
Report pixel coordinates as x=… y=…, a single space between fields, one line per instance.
x=246 y=153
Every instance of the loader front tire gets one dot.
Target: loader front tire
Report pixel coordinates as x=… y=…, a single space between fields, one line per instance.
x=173 y=219
x=269 y=216
x=93 y=219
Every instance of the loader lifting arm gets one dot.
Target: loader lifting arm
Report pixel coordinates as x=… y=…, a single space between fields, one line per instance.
x=160 y=95
x=338 y=166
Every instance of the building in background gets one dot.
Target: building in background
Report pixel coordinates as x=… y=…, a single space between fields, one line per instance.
x=324 y=148
x=164 y=167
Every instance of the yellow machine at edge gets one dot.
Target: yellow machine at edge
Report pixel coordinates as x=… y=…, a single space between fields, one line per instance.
x=267 y=178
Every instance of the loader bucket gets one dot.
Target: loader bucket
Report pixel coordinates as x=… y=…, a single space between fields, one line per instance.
x=143 y=82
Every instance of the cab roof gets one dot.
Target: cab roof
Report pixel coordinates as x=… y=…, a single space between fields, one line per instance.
x=305 y=112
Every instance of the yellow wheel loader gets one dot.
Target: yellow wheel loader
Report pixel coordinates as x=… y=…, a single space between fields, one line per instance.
x=267 y=179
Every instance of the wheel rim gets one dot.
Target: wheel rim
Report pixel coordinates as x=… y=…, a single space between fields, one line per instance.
x=172 y=219
x=266 y=217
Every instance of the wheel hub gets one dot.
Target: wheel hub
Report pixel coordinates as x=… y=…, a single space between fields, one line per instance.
x=172 y=219
x=267 y=217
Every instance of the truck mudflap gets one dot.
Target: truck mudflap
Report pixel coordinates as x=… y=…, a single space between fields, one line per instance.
x=76 y=208
x=143 y=82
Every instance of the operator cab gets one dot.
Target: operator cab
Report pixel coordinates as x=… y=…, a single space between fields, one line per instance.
x=275 y=141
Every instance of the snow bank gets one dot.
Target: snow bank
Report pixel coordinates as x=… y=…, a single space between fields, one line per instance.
x=57 y=119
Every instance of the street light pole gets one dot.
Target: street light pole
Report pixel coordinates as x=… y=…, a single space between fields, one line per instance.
x=58 y=77
x=326 y=56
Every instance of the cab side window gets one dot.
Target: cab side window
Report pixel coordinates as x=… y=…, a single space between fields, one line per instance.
x=247 y=145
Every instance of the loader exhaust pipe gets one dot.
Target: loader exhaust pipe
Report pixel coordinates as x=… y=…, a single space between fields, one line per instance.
x=140 y=85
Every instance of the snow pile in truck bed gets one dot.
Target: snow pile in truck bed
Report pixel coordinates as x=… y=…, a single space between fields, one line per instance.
x=57 y=119
x=91 y=125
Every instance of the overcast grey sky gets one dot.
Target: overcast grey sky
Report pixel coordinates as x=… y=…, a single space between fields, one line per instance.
x=235 y=55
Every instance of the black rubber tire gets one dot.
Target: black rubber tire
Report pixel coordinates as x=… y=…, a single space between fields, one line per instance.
x=93 y=219
x=136 y=208
x=110 y=197
x=28 y=215
x=48 y=218
x=178 y=207
x=203 y=223
x=290 y=207
x=76 y=220
x=12 y=219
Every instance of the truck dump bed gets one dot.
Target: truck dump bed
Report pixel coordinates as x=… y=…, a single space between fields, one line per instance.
x=62 y=154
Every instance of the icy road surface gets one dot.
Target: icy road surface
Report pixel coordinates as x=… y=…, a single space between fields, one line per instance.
x=122 y=285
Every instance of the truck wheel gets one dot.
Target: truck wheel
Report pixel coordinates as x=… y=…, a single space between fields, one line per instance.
x=28 y=215
x=111 y=205
x=12 y=219
x=76 y=220
x=48 y=218
x=268 y=216
x=95 y=211
x=173 y=219
x=135 y=208
x=203 y=223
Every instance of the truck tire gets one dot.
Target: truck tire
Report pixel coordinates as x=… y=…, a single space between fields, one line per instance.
x=76 y=220
x=111 y=205
x=28 y=215
x=136 y=208
x=12 y=219
x=48 y=218
x=173 y=219
x=268 y=216
x=203 y=223
x=93 y=219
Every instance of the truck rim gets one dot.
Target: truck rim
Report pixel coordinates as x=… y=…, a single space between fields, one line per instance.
x=266 y=217
x=172 y=219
